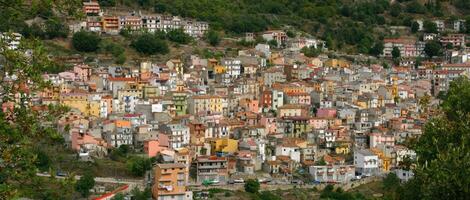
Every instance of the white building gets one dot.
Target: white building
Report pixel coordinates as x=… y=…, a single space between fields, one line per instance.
x=12 y=40
x=178 y=134
x=366 y=162
x=332 y=173
x=292 y=151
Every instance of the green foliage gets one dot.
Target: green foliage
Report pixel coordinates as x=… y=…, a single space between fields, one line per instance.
x=311 y=51
x=415 y=7
x=107 y=3
x=377 y=49
x=443 y=159
x=395 y=10
x=273 y=43
x=56 y=29
x=85 y=41
x=267 y=195
x=179 y=36
x=116 y=50
x=396 y=53
x=148 y=44
x=433 y=48
x=84 y=184
x=252 y=186
x=391 y=181
x=138 y=165
x=321 y=162
x=141 y=195
x=414 y=27
x=429 y=26
x=339 y=194
x=213 y=37
x=118 y=196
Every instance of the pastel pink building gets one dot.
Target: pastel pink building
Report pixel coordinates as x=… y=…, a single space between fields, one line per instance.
x=79 y=139
x=82 y=72
x=250 y=105
x=153 y=147
x=381 y=139
x=269 y=123
x=318 y=123
x=326 y=113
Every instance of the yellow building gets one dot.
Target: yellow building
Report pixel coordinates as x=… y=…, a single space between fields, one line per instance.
x=337 y=63
x=224 y=145
x=170 y=182
x=219 y=69
x=343 y=149
x=386 y=162
x=77 y=101
x=206 y=103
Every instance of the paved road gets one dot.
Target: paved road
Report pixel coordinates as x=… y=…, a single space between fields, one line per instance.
x=131 y=182
x=235 y=187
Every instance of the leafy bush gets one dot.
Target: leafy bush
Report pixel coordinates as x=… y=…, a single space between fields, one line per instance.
x=148 y=44
x=85 y=41
x=178 y=36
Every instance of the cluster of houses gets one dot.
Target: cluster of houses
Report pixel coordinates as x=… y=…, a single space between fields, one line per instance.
x=100 y=21
x=276 y=111
x=217 y=118
x=449 y=36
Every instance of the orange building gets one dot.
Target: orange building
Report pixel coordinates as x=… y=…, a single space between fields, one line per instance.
x=170 y=182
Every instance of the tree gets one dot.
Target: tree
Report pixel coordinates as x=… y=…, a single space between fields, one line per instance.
x=377 y=49
x=396 y=53
x=141 y=195
x=467 y=25
x=252 y=186
x=415 y=7
x=310 y=51
x=395 y=9
x=107 y=3
x=430 y=27
x=179 y=36
x=390 y=182
x=84 y=184
x=213 y=37
x=273 y=43
x=442 y=150
x=433 y=48
x=56 y=29
x=290 y=34
x=85 y=41
x=138 y=165
x=118 y=196
x=267 y=195
x=149 y=45
x=22 y=128
x=414 y=27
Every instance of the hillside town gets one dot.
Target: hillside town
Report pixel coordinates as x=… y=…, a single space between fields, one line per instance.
x=270 y=112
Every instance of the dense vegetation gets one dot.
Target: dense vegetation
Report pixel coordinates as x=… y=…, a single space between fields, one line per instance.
x=341 y=23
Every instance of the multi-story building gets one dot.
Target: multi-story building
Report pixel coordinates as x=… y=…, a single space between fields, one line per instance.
x=208 y=104
x=132 y=23
x=178 y=134
x=212 y=168
x=181 y=103
x=407 y=47
x=366 y=162
x=110 y=24
x=332 y=173
x=170 y=182
x=233 y=69
x=381 y=139
x=456 y=40
x=91 y=8
x=279 y=36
